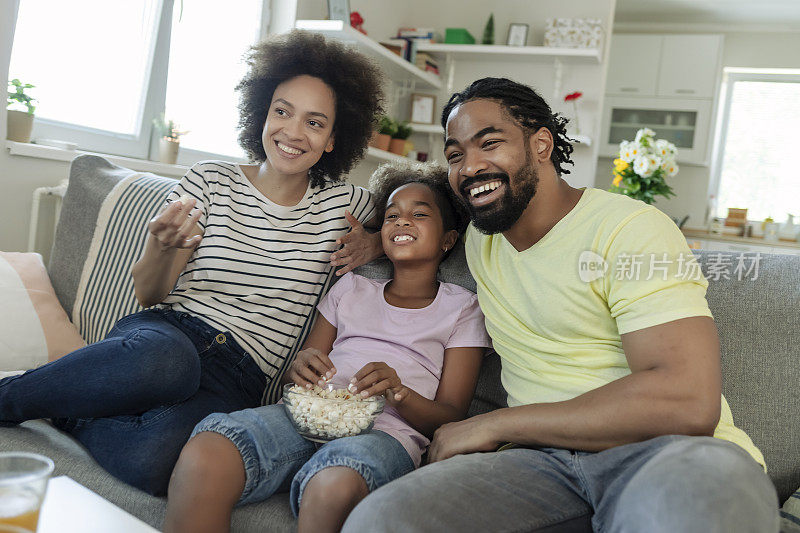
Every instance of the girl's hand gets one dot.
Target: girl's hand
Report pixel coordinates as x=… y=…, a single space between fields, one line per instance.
x=379 y=378
x=358 y=247
x=310 y=367
x=174 y=225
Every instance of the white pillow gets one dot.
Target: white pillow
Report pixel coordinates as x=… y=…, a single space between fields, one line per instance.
x=34 y=328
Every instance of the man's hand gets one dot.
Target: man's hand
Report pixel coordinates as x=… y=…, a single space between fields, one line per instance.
x=379 y=378
x=310 y=367
x=358 y=247
x=467 y=436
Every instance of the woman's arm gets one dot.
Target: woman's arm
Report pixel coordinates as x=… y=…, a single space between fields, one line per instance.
x=173 y=236
x=456 y=388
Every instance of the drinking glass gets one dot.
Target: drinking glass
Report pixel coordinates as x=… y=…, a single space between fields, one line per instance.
x=23 y=483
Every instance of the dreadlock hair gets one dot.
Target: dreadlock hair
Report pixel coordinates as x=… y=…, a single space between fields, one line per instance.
x=355 y=81
x=526 y=107
x=389 y=176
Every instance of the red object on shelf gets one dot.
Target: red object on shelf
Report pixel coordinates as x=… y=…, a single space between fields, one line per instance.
x=356 y=21
x=573 y=96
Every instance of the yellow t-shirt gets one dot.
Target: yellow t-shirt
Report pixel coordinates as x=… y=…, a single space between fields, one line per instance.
x=556 y=311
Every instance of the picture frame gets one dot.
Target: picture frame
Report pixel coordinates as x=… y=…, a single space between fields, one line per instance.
x=517 y=34
x=423 y=108
x=339 y=10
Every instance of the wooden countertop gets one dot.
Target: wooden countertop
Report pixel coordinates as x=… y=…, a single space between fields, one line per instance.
x=705 y=234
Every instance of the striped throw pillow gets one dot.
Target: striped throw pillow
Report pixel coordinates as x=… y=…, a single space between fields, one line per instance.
x=790 y=514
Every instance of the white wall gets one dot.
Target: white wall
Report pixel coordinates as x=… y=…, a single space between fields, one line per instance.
x=740 y=49
x=19 y=176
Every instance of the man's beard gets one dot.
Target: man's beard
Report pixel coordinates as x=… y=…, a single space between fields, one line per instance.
x=502 y=214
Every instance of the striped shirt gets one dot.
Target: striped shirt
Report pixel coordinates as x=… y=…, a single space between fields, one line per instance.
x=260 y=268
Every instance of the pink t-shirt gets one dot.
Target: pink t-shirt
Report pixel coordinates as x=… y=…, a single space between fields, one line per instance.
x=411 y=341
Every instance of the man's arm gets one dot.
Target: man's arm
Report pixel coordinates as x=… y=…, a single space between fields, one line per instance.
x=674 y=388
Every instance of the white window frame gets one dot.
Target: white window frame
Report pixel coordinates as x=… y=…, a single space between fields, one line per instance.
x=143 y=144
x=730 y=76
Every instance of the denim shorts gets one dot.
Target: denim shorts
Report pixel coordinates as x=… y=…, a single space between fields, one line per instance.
x=277 y=459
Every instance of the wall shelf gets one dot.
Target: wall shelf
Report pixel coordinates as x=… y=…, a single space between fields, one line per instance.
x=381 y=155
x=395 y=67
x=426 y=128
x=651 y=126
x=491 y=52
x=580 y=140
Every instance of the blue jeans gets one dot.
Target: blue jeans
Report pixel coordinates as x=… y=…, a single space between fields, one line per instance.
x=667 y=484
x=133 y=398
x=277 y=459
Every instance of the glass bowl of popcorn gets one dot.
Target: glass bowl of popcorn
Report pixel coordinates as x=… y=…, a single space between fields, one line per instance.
x=321 y=414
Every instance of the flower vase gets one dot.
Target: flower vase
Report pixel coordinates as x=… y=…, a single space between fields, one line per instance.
x=577 y=124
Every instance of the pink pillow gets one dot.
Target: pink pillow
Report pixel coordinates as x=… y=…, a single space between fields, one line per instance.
x=34 y=328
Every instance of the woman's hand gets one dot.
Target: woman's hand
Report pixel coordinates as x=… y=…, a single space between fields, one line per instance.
x=358 y=247
x=174 y=225
x=379 y=378
x=310 y=367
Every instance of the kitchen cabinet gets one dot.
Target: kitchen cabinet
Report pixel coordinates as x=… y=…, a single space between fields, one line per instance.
x=682 y=66
x=689 y=66
x=685 y=123
x=667 y=83
x=633 y=65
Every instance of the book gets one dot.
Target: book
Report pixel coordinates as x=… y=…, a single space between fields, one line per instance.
x=398 y=46
x=415 y=33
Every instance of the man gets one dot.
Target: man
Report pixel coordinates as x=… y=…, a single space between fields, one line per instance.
x=610 y=357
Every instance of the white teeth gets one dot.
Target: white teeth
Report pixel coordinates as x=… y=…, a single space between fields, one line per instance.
x=486 y=187
x=289 y=149
x=403 y=238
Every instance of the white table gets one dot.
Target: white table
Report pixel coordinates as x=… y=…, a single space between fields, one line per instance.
x=69 y=507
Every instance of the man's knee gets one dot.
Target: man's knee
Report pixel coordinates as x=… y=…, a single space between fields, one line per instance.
x=700 y=484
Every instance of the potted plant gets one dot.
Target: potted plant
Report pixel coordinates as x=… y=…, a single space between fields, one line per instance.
x=169 y=141
x=20 y=123
x=399 y=139
x=387 y=127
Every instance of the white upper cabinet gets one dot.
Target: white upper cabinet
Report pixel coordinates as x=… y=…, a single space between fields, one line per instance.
x=677 y=66
x=633 y=65
x=689 y=65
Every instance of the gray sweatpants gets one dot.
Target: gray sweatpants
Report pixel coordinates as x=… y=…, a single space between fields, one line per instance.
x=670 y=484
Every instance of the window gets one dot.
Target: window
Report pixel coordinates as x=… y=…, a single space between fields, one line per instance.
x=205 y=64
x=755 y=168
x=109 y=68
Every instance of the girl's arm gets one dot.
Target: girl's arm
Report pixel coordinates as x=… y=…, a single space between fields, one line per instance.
x=173 y=236
x=311 y=364
x=456 y=388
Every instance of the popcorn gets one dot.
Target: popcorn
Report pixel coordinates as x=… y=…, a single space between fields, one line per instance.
x=184 y=199
x=314 y=414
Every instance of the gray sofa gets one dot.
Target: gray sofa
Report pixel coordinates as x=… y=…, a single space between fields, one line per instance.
x=758 y=321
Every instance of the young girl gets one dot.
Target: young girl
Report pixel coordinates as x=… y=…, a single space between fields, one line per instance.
x=236 y=268
x=413 y=339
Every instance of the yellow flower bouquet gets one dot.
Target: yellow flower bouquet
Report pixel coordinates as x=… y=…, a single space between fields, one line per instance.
x=643 y=166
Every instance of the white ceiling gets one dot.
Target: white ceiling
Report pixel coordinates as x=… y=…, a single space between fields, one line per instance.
x=739 y=12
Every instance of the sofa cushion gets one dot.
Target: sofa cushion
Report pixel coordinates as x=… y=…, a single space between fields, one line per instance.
x=758 y=318
x=34 y=328
x=790 y=514
x=116 y=203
